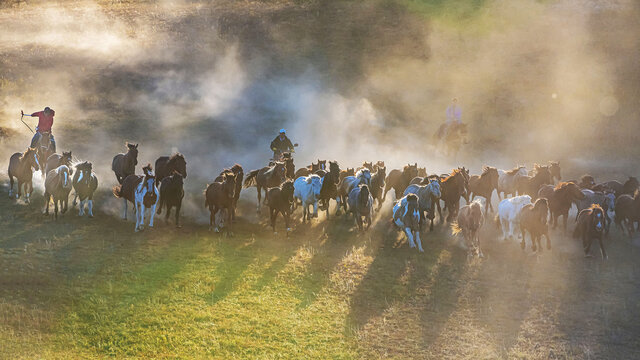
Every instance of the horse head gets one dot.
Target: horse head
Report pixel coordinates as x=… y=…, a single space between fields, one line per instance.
x=279 y=170
x=411 y=212
x=368 y=165
x=382 y=172
x=132 y=152
x=410 y=171
x=434 y=188
x=543 y=174
x=84 y=169
x=229 y=184
x=363 y=197
x=476 y=213
x=287 y=189
x=31 y=156
x=493 y=175
x=597 y=217
x=322 y=164
x=379 y=164
x=364 y=176
x=178 y=163
x=554 y=167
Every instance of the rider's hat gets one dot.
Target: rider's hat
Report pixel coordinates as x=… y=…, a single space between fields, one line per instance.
x=282 y=131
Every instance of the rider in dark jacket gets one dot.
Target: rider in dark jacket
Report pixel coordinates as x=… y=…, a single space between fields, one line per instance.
x=281 y=144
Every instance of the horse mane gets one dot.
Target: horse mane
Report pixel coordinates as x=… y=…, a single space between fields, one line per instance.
x=148 y=170
x=514 y=170
x=596 y=206
x=236 y=168
x=563 y=185
x=24 y=154
x=453 y=174
x=486 y=169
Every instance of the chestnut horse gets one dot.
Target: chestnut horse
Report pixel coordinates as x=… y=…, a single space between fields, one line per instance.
x=55 y=160
x=591 y=226
x=452 y=188
x=561 y=198
x=57 y=185
x=470 y=220
x=483 y=185
x=20 y=165
x=533 y=218
x=398 y=180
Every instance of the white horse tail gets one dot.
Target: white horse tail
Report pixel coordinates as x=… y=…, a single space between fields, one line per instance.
x=455 y=228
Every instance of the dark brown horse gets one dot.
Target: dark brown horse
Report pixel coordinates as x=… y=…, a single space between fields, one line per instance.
x=220 y=196
x=629 y=187
x=239 y=173
x=85 y=183
x=591 y=226
x=20 y=165
x=55 y=160
x=529 y=185
x=560 y=199
x=377 y=185
x=484 y=184
x=398 y=180
x=166 y=165
x=57 y=185
x=290 y=168
x=171 y=195
x=533 y=218
x=124 y=165
x=265 y=178
x=627 y=211
x=280 y=200
x=329 y=189
x=361 y=205
x=452 y=188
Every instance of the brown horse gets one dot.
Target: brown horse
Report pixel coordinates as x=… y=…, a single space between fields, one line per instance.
x=452 y=188
x=239 y=173
x=533 y=218
x=361 y=205
x=55 y=160
x=629 y=187
x=484 y=184
x=347 y=172
x=44 y=150
x=366 y=165
x=627 y=211
x=57 y=185
x=290 y=168
x=587 y=182
x=20 y=165
x=166 y=165
x=398 y=180
x=377 y=165
x=470 y=220
x=124 y=165
x=377 y=185
x=529 y=185
x=591 y=226
x=280 y=200
x=127 y=190
x=329 y=189
x=265 y=178
x=560 y=198
x=221 y=196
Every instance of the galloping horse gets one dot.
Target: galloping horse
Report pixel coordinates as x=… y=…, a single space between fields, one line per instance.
x=166 y=165
x=561 y=198
x=85 y=184
x=361 y=205
x=428 y=195
x=55 y=160
x=508 y=218
x=533 y=218
x=483 y=185
x=280 y=200
x=124 y=165
x=307 y=190
x=57 y=185
x=363 y=176
x=265 y=178
x=591 y=226
x=329 y=189
x=470 y=220
x=20 y=165
x=452 y=188
x=171 y=194
x=530 y=185
x=219 y=196
x=377 y=184
x=238 y=171
x=142 y=192
x=398 y=180
x=406 y=216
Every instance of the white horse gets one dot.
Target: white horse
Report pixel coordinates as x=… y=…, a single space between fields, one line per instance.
x=509 y=214
x=363 y=176
x=146 y=197
x=406 y=215
x=307 y=189
x=427 y=194
x=507 y=180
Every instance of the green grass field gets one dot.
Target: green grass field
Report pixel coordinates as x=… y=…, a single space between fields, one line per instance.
x=91 y=288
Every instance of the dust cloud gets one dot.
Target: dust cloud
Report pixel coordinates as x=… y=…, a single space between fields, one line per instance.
x=537 y=81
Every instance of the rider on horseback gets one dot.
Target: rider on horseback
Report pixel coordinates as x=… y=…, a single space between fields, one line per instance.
x=281 y=144
x=45 y=122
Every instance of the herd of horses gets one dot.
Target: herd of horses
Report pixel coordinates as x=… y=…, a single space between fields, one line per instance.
x=530 y=201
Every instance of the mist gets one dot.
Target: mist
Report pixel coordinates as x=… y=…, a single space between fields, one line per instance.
x=370 y=81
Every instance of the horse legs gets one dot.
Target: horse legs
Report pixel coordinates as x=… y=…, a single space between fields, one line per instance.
x=55 y=206
x=124 y=214
x=166 y=214
x=564 y=221
x=161 y=203
x=81 y=208
x=179 y=205
x=418 y=242
x=602 y=251
x=315 y=209
x=259 y=197
x=19 y=189
x=286 y=216
x=409 y=237
x=90 y=207
x=153 y=213
x=10 y=184
x=273 y=213
x=358 y=220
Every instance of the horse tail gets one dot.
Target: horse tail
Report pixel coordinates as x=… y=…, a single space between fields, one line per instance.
x=251 y=179
x=117 y=191
x=455 y=228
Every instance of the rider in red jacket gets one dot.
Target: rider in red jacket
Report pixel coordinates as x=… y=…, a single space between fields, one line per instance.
x=45 y=122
